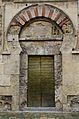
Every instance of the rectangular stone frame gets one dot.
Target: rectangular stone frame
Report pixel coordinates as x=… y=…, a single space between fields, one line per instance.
x=58 y=88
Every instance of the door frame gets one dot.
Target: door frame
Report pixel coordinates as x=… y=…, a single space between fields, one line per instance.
x=58 y=86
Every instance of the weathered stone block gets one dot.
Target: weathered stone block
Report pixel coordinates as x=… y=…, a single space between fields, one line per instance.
x=5 y=102
x=1 y=68
x=37 y=29
x=11 y=68
x=5 y=80
x=11 y=64
x=15 y=91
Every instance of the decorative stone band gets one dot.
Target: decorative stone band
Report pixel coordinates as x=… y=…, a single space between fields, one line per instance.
x=36 y=11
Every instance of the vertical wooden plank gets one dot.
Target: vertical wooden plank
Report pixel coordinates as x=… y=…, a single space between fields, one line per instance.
x=41 y=87
x=34 y=82
x=47 y=81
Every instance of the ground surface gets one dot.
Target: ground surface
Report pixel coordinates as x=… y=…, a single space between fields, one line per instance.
x=41 y=115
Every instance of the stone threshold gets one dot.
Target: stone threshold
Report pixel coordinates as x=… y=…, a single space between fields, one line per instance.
x=40 y=109
x=52 y=110
x=46 y=112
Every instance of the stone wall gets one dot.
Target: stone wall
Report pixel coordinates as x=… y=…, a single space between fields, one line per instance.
x=39 y=115
x=19 y=26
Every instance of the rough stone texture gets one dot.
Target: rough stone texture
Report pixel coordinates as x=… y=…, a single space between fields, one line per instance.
x=40 y=29
x=23 y=80
x=5 y=103
x=73 y=102
x=33 y=115
x=4 y=80
x=41 y=48
x=15 y=91
x=58 y=81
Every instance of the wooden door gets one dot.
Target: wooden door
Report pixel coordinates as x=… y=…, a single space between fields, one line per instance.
x=41 y=85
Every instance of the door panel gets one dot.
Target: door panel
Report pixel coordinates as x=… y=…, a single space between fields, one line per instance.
x=47 y=81
x=41 y=92
x=33 y=82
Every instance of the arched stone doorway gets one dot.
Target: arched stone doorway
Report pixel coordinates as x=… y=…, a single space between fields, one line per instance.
x=37 y=32
x=41 y=64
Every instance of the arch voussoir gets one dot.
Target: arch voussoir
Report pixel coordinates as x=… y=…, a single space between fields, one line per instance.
x=47 y=11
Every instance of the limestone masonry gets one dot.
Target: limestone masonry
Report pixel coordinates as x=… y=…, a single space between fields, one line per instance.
x=39 y=59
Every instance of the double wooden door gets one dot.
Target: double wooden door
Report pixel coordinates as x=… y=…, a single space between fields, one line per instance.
x=41 y=83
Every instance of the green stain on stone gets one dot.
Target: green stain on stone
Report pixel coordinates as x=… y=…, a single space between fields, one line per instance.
x=25 y=115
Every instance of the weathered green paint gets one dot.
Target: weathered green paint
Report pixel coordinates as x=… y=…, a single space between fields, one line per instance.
x=41 y=92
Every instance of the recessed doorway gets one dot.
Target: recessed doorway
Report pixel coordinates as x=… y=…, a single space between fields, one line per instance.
x=41 y=83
